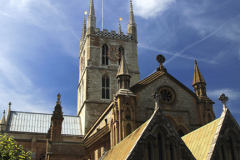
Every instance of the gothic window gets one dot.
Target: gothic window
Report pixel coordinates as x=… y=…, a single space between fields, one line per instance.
x=232 y=148
x=104 y=55
x=223 y=153
x=171 y=151
x=128 y=114
x=121 y=51
x=128 y=129
x=105 y=87
x=180 y=132
x=167 y=95
x=149 y=151
x=160 y=152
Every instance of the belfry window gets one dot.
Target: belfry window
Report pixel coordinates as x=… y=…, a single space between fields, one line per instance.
x=128 y=114
x=104 y=55
x=121 y=51
x=105 y=87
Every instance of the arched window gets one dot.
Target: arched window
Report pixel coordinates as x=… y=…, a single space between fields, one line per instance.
x=128 y=129
x=223 y=153
x=149 y=151
x=121 y=51
x=160 y=152
x=180 y=132
x=104 y=55
x=128 y=114
x=232 y=148
x=171 y=151
x=105 y=87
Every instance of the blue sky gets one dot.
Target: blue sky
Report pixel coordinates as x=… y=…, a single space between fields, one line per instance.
x=39 y=43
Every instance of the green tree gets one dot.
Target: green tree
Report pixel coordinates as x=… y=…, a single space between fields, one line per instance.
x=11 y=151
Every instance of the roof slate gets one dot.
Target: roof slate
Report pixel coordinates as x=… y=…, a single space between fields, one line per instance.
x=40 y=123
x=200 y=140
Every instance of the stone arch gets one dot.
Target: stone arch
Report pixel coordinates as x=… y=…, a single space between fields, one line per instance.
x=172 y=120
x=183 y=129
x=222 y=148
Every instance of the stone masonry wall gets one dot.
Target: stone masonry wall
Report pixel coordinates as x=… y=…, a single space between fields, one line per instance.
x=183 y=109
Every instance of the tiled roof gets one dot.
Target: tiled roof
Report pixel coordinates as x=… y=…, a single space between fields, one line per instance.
x=40 y=123
x=122 y=149
x=200 y=140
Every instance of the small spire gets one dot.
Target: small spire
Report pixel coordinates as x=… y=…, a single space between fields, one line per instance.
x=131 y=15
x=10 y=104
x=123 y=69
x=91 y=9
x=197 y=77
x=223 y=99
x=58 y=98
x=3 y=118
x=84 y=27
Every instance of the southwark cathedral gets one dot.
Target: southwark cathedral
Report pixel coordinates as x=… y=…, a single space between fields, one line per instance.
x=120 y=117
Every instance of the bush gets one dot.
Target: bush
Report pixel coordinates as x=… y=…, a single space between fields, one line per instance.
x=11 y=151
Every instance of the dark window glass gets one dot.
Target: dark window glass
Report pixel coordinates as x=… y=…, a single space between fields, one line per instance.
x=104 y=55
x=103 y=93
x=171 y=151
x=107 y=82
x=160 y=147
x=105 y=87
x=223 y=154
x=107 y=94
x=232 y=148
x=180 y=133
x=149 y=151
x=127 y=113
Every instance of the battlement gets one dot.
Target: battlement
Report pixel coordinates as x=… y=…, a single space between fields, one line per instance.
x=112 y=34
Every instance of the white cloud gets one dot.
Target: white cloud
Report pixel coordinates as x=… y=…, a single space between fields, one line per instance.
x=230 y=93
x=150 y=8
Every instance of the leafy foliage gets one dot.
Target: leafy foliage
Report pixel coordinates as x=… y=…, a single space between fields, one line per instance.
x=9 y=149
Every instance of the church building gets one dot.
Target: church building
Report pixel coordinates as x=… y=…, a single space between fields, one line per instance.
x=120 y=117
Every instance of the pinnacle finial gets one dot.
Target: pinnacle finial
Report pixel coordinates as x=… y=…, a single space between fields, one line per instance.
x=161 y=59
x=223 y=99
x=84 y=26
x=91 y=9
x=4 y=112
x=9 y=104
x=58 y=98
x=197 y=76
x=119 y=26
x=131 y=15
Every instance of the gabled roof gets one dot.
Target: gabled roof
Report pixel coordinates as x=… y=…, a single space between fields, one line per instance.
x=124 y=149
x=200 y=140
x=203 y=141
x=40 y=123
x=148 y=80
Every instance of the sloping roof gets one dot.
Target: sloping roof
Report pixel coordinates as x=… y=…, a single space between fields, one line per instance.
x=197 y=76
x=40 y=123
x=122 y=149
x=148 y=80
x=200 y=140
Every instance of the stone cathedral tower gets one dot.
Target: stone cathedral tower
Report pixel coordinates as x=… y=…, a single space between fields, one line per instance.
x=100 y=56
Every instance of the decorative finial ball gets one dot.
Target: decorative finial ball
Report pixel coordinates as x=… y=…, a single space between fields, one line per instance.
x=9 y=103
x=160 y=58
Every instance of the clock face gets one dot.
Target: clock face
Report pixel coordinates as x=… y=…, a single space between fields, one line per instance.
x=114 y=54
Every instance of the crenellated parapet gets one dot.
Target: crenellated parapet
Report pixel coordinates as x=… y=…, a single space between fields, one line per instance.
x=112 y=34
